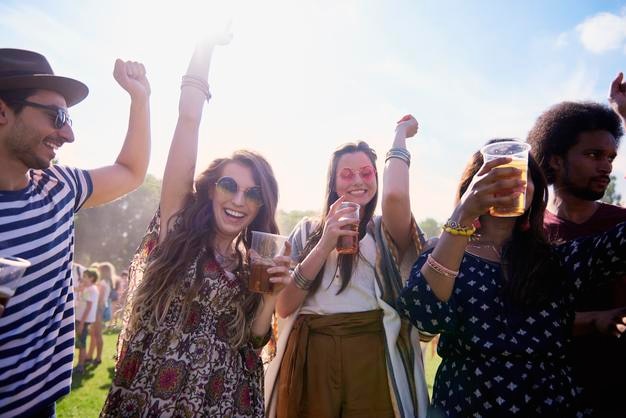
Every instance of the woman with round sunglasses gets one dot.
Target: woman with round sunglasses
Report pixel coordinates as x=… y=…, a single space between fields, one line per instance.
x=343 y=350
x=192 y=330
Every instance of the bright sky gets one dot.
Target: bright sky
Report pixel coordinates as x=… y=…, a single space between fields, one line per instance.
x=302 y=77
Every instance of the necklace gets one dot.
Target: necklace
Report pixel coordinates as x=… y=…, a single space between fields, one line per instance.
x=493 y=250
x=226 y=261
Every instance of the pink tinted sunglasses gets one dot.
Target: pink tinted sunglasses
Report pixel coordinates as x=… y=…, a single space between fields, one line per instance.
x=367 y=173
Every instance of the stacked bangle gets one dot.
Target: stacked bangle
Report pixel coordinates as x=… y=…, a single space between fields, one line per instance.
x=399 y=153
x=456 y=228
x=197 y=83
x=300 y=281
x=438 y=268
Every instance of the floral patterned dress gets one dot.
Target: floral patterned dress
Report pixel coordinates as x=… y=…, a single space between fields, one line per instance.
x=192 y=372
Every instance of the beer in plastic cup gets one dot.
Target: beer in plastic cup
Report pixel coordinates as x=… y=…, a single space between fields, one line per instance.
x=518 y=152
x=263 y=249
x=11 y=271
x=349 y=244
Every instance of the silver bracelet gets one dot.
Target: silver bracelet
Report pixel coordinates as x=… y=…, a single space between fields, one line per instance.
x=399 y=153
x=300 y=281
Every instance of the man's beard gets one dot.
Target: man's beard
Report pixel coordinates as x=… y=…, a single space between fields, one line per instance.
x=21 y=146
x=584 y=193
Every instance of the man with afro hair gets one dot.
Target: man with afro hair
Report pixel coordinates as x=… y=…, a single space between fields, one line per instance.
x=575 y=143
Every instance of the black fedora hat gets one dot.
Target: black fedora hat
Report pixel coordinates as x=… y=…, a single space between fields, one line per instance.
x=20 y=69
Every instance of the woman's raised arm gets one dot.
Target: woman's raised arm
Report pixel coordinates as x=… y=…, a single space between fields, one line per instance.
x=181 y=160
x=396 y=204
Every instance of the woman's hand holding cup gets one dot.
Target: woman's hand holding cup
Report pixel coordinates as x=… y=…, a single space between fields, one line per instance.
x=337 y=225
x=491 y=186
x=280 y=273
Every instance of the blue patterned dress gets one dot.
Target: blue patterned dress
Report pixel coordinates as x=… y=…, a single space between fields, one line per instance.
x=498 y=361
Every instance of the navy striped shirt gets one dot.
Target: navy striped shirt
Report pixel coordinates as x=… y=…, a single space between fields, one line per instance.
x=37 y=327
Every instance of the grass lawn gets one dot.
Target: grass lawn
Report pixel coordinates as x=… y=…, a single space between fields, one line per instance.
x=431 y=362
x=90 y=390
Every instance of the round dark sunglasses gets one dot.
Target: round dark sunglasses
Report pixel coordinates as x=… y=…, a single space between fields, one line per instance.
x=60 y=115
x=228 y=187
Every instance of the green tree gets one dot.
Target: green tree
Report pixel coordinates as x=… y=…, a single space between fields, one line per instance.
x=113 y=231
x=430 y=227
x=287 y=220
x=611 y=196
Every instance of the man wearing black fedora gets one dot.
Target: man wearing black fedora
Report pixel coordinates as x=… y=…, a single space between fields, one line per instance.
x=38 y=201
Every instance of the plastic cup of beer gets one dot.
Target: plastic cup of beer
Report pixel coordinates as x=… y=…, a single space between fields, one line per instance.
x=11 y=271
x=263 y=249
x=349 y=244
x=518 y=152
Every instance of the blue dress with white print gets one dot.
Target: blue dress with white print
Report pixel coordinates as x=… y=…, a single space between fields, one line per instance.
x=501 y=362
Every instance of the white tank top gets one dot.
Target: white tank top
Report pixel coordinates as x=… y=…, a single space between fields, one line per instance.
x=359 y=296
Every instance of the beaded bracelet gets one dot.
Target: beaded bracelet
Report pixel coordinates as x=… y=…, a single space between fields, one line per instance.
x=438 y=268
x=455 y=228
x=300 y=281
x=399 y=153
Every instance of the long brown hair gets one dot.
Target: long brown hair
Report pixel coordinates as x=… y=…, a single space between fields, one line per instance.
x=345 y=262
x=532 y=273
x=107 y=273
x=192 y=235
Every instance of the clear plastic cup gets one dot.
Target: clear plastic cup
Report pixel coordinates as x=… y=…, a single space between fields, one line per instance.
x=263 y=249
x=11 y=271
x=518 y=152
x=349 y=244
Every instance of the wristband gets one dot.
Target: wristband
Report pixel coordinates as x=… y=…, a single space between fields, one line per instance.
x=455 y=228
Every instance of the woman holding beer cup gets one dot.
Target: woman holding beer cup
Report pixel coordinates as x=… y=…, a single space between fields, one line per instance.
x=192 y=330
x=343 y=350
x=502 y=297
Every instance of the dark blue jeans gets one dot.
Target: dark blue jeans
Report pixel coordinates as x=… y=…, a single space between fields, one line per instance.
x=48 y=411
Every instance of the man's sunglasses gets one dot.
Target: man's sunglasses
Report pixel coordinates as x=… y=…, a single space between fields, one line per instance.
x=61 y=116
x=367 y=173
x=228 y=187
